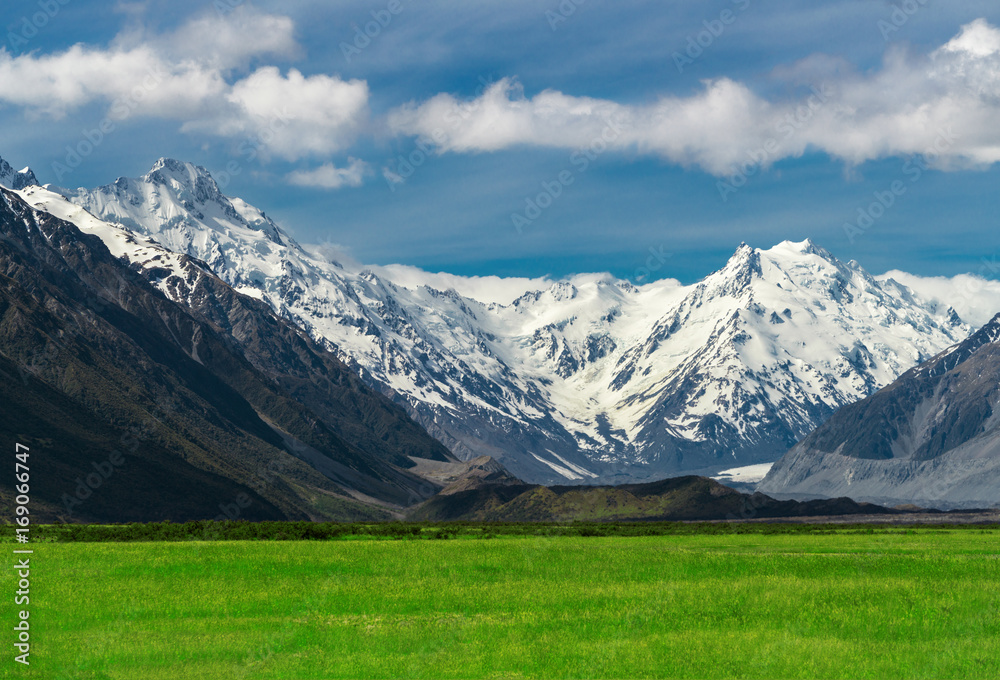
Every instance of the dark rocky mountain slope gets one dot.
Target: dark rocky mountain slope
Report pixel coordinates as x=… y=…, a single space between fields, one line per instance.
x=931 y=438
x=215 y=407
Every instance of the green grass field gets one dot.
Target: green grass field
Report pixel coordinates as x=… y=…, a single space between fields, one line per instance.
x=899 y=604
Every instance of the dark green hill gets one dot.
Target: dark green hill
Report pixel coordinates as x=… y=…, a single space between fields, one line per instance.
x=675 y=499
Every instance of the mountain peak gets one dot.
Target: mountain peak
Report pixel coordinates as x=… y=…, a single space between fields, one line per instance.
x=806 y=247
x=789 y=253
x=989 y=333
x=183 y=208
x=16 y=179
x=192 y=185
x=173 y=165
x=742 y=254
x=745 y=261
x=187 y=174
x=747 y=258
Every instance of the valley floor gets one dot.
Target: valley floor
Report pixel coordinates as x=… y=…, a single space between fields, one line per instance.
x=851 y=603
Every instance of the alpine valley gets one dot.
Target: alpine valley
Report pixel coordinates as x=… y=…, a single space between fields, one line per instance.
x=591 y=379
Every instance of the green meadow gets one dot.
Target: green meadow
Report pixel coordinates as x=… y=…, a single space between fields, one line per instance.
x=899 y=603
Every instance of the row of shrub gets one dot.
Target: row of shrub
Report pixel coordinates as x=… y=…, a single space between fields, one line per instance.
x=208 y=530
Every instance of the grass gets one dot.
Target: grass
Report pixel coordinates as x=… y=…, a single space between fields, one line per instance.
x=917 y=603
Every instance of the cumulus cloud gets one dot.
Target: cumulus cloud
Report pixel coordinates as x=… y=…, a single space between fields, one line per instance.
x=297 y=116
x=53 y=85
x=233 y=39
x=946 y=102
x=329 y=176
x=188 y=76
x=977 y=40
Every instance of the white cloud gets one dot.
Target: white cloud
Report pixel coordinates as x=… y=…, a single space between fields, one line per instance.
x=293 y=116
x=977 y=39
x=329 y=176
x=334 y=253
x=975 y=299
x=232 y=40
x=53 y=85
x=485 y=289
x=502 y=117
x=948 y=102
x=186 y=76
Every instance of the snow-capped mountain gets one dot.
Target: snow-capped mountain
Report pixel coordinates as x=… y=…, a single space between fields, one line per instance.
x=15 y=179
x=582 y=379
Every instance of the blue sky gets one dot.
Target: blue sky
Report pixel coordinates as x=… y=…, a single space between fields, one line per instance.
x=611 y=115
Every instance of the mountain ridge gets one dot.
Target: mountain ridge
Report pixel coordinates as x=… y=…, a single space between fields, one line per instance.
x=589 y=378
